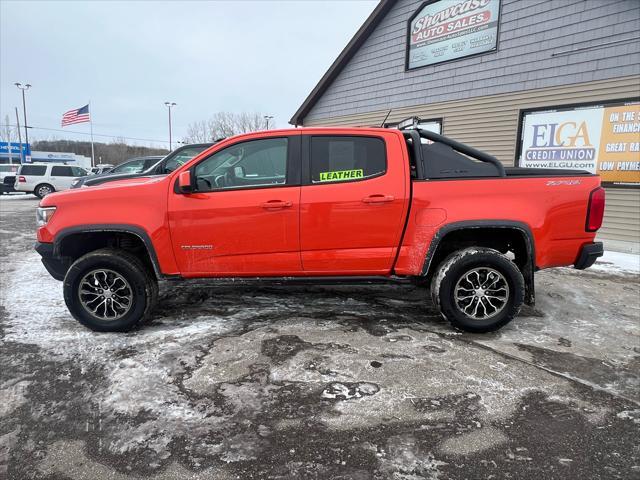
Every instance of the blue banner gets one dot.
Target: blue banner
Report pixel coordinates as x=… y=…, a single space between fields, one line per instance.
x=15 y=148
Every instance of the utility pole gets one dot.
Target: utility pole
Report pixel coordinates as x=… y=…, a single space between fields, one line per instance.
x=22 y=159
x=267 y=118
x=24 y=109
x=169 y=106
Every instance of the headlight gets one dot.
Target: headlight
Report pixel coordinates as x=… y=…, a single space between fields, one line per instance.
x=75 y=182
x=44 y=214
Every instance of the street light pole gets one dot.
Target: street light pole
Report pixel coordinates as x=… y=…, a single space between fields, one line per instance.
x=169 y=106
x=24 y=109
x=267 y=118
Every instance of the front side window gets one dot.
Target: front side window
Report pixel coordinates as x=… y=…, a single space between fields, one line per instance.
x=36 y=170
x=61 y=172
x=78 y=172
x=344 y=159
x=256 y=163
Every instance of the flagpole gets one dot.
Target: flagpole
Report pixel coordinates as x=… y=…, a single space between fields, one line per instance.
x=93 y=158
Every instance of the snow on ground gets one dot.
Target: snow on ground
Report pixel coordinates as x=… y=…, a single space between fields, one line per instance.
x=19 y=196
x=339 y=382
x=616 y=262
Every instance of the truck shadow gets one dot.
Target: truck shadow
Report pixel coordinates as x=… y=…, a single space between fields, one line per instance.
x=378 y=309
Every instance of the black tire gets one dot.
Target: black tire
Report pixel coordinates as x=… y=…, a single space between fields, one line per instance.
x=142 y=283
x=43 y=189
x=474 y=261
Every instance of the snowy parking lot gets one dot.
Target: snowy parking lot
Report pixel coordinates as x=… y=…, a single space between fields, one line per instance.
x=239 y=381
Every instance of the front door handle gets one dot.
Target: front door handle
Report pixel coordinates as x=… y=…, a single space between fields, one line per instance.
x=378 y=199
x=276 y=204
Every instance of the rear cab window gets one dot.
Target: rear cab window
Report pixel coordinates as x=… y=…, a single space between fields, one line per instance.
x=346 y=158
x=33 y=170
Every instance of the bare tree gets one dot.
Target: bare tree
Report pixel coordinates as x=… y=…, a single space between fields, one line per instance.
x=224 y=124
x=8 y=132
x=197 y=132
x=119 y=148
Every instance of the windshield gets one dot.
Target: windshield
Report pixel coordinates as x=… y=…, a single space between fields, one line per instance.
x=176 y=159
x=132 y=166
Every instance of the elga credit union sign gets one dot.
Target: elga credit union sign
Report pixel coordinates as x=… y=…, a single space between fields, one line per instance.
x=443 y=30
x=600 y=139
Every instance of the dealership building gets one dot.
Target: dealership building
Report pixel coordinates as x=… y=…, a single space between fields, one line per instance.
x=537 y=83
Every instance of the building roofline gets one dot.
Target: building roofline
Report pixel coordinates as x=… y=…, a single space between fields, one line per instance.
x=345 y=56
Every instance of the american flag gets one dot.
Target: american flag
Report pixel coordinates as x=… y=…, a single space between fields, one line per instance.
x=77 y=115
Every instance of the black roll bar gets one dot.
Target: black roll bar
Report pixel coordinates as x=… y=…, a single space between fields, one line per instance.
x=462 y=148
x=417 y=150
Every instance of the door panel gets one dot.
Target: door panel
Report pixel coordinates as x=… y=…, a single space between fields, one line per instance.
x=352 y=227
x=234 y=233
x=245 y=220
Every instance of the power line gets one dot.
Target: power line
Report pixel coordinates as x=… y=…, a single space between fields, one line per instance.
x=84 y=133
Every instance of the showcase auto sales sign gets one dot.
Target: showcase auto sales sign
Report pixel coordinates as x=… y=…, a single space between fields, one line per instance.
x=444 y=30
x=600 y=139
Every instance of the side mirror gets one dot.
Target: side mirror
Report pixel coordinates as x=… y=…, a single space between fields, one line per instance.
x=184 y=182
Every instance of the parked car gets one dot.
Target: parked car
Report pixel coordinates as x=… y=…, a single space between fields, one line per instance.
x=7 y=177
x=43 y=179
x=102 y=168
x=132 y=166
x=320 y=205
x=167 y=165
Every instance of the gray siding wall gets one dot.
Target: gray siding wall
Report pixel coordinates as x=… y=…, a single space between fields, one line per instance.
x=530 y=32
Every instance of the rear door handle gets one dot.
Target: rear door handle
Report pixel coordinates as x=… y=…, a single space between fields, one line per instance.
x=276 y=204
x=378 y=199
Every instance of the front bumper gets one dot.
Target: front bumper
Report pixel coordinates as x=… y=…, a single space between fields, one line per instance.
x=56 y=267
x=588 y=255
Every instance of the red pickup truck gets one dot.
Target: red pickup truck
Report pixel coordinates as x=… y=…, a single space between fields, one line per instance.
x=324 y=205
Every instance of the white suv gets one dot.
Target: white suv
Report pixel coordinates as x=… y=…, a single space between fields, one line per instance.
x=45 y=178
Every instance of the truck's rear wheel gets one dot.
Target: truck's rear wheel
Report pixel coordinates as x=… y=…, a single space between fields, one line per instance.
x=478 y=289
x=109 y=290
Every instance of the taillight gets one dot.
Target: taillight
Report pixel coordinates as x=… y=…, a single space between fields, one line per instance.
x=21 y=179
x=595 y=210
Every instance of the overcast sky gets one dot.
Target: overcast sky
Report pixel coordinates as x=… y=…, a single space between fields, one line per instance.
x=127 y=58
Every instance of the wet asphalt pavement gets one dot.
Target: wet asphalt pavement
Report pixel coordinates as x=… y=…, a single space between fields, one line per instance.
x=238 y=381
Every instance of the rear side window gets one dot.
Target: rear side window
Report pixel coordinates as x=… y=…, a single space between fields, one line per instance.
x=35 y=170
x=345 y=159
x=61 y=172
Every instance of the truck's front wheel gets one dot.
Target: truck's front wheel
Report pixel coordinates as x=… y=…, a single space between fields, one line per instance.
x=109 y=290
x=478 y=289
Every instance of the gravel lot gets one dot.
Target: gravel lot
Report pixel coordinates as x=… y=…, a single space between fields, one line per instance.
x=298 y=382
